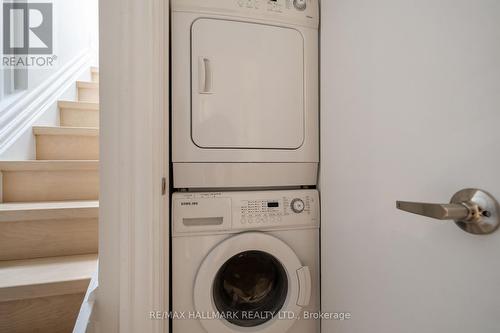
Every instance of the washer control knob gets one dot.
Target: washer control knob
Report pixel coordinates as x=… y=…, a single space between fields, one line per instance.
x=297 y=206
x=300 y=4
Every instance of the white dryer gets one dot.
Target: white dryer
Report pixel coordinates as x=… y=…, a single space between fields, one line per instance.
x=245 y=262
x=244 y=93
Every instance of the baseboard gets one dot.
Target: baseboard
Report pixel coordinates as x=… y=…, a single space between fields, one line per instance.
x=85 y=321
x=18 y=117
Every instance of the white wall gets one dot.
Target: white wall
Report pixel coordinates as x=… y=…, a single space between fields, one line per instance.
x=75 y=38
x=76 y=30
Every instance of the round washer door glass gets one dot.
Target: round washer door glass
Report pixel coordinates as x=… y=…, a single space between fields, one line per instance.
x=252 y=286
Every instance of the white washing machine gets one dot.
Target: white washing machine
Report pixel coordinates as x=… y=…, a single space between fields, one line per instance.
x=244 y=93
x=245 y=262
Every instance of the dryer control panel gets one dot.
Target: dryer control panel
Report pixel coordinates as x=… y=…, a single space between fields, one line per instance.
x=251 y=210
x=275 y=5
x=303 y=12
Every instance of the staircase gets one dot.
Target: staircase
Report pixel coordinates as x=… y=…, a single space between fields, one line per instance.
x=49 y=220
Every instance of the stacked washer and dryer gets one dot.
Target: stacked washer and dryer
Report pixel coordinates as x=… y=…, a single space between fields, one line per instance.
x=245 y=153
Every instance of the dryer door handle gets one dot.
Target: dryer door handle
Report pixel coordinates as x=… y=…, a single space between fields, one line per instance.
x=304 y=276
x=205 y=79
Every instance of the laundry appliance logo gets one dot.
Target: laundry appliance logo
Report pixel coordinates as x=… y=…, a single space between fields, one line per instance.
x=189 y=203
x=28 y=34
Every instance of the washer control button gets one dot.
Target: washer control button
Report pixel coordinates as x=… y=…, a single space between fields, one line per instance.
x=297 y=206
x=300 y=4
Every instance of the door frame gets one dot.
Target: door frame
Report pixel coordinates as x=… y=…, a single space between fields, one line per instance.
x=134 y=155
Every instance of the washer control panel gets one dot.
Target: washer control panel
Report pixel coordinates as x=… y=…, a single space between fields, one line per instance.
x=300 y=4
x=274 y=209
x=255 y=4
x=298 y=205
x=222 y=211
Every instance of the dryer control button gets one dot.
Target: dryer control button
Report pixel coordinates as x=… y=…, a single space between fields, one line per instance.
x=297 y=206
x=300 y=4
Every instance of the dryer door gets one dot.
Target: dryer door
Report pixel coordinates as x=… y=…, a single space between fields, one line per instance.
x=247 y=85
x=252 y=281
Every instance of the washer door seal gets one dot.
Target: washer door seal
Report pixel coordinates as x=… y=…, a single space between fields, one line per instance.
x=248 y=280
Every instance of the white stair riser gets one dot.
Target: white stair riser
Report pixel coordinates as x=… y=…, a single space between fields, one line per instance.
x=67 y=147
x=48 y=238
x=49 y=185
x=79 y=118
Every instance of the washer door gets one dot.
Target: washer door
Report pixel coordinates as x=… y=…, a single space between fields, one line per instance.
x=251 y=282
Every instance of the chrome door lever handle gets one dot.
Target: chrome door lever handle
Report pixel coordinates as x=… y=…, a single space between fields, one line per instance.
x=436 y=211
x=473 y=210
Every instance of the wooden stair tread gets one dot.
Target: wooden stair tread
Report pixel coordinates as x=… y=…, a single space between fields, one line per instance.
x=87 y=85
x=32 y=278
x=34 y=165
x=94 y=69
x=32 y=211
x=78 y=105
x=60 y=130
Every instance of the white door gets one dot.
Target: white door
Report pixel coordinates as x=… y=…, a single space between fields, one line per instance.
x=247 y=85
x=410 y=111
